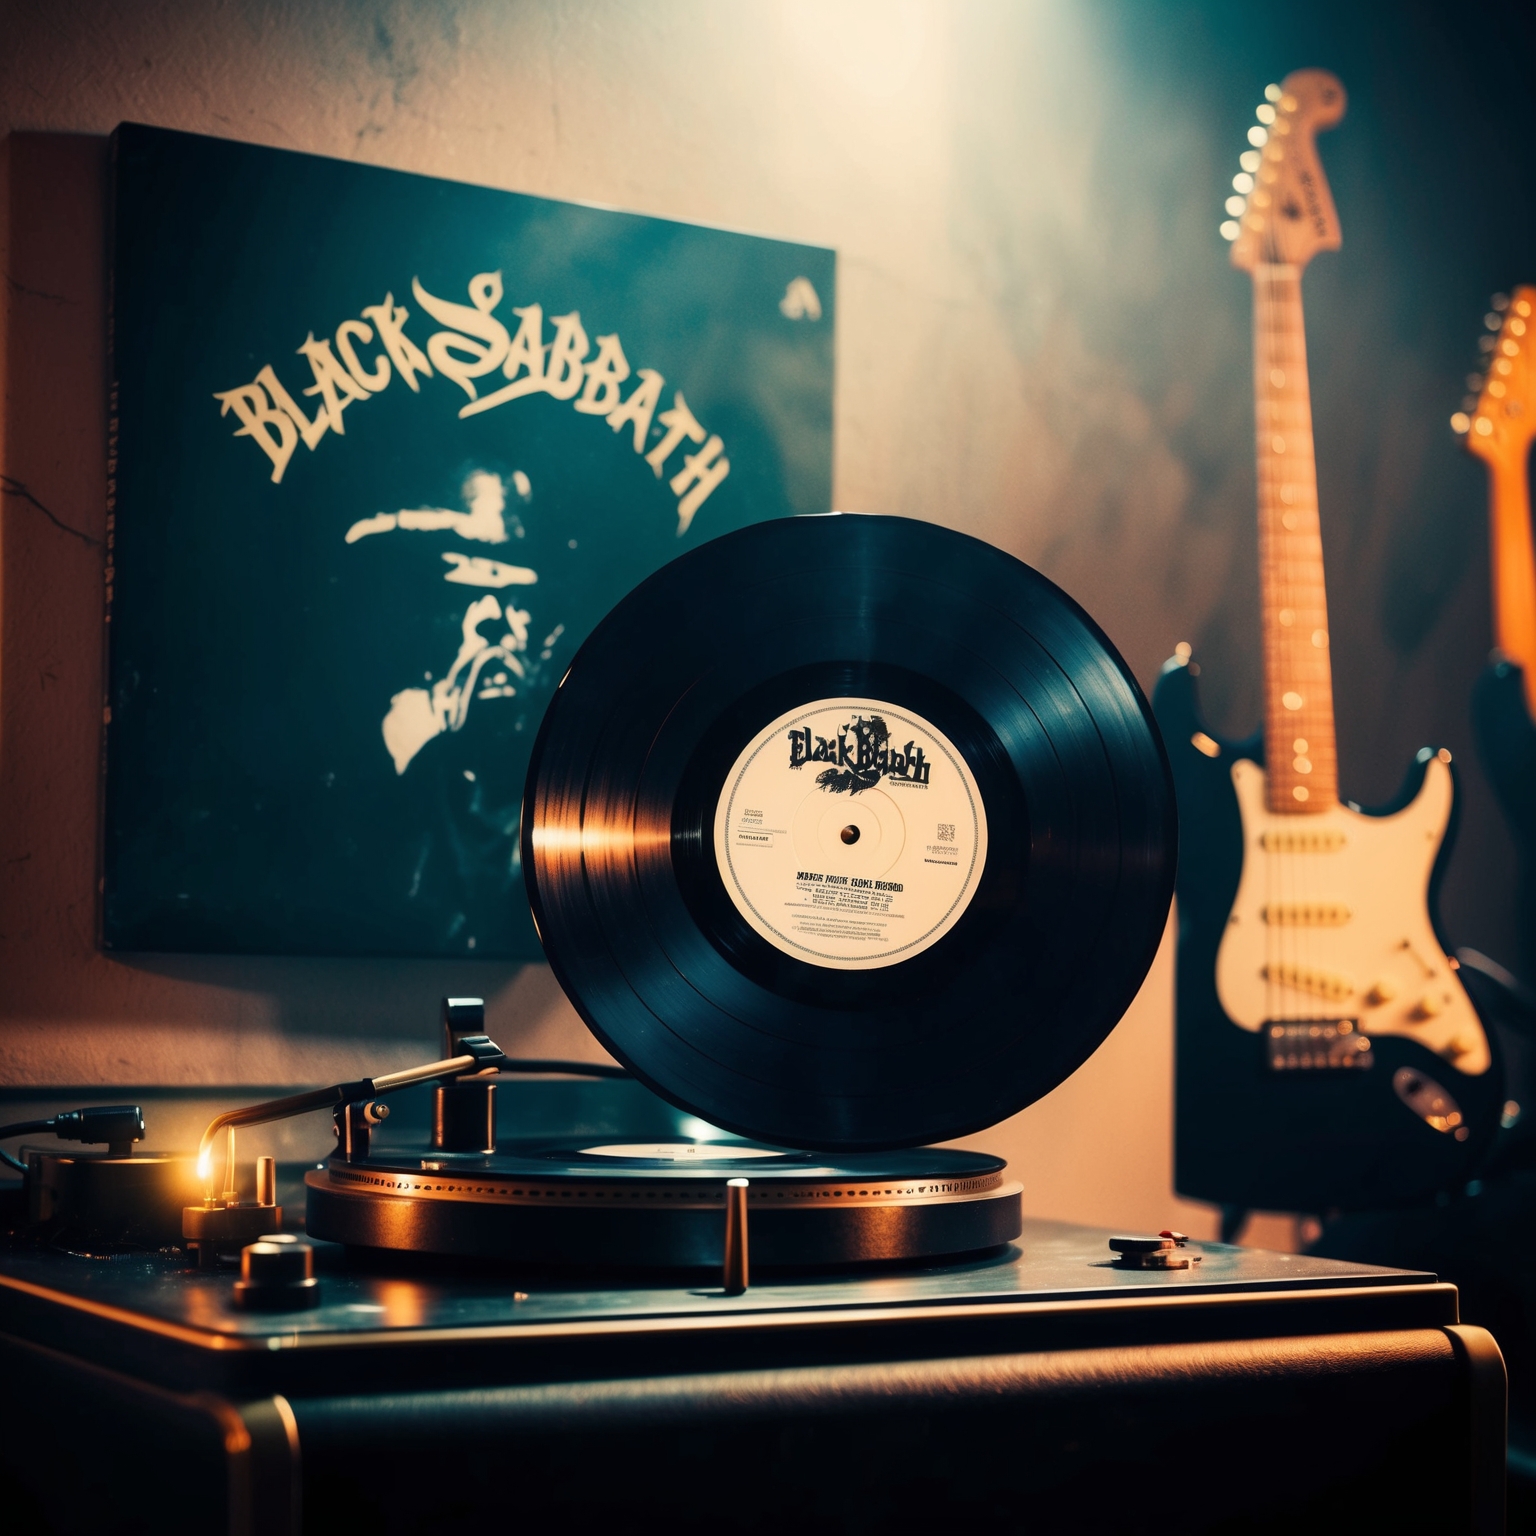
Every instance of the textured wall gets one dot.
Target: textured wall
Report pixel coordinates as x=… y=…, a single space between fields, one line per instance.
x=1039 y=342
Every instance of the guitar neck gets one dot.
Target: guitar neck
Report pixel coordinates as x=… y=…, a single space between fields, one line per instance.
x=1298 y=682
x=1514 y=567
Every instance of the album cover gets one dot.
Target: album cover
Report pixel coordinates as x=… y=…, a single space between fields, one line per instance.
x=383 y=449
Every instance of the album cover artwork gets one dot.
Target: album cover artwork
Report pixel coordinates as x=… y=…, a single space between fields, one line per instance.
x=383 y=449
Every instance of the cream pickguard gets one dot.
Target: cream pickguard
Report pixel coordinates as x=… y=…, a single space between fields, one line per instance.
x=1331 y=922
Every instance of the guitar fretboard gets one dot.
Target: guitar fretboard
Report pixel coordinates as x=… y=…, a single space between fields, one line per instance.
x=1298 y=681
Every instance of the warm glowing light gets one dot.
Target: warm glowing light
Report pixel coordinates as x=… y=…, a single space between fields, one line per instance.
x=204 y=1166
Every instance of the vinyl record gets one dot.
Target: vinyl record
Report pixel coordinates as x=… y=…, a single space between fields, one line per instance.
x=849 y=832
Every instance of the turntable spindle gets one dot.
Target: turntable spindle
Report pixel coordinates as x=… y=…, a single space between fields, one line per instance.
x=735 y=1279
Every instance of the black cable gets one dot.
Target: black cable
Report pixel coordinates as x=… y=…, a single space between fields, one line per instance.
x=21 y=1128
x=24 y=1128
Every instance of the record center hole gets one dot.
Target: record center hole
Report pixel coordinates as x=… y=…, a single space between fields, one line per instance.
x=850 y=834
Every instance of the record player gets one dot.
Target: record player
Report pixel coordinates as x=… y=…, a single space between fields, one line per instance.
x=845 y=836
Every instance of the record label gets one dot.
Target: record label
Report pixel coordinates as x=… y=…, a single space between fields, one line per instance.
x=850 y=834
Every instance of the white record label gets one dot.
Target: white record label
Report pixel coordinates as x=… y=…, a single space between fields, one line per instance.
x=850 y=834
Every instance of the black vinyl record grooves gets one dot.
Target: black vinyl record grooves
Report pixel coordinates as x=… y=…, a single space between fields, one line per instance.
x=849 y=832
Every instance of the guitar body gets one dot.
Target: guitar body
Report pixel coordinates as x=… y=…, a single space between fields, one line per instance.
x=1308 y=1119
x=1506 y=743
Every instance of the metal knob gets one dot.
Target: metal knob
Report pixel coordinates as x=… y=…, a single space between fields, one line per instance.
x=277 y=1276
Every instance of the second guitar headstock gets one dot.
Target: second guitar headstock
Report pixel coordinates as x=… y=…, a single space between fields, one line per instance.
x=1499 y=421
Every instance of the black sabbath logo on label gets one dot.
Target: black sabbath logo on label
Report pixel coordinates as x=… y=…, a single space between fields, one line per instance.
x=863 y=755
x=850 y=833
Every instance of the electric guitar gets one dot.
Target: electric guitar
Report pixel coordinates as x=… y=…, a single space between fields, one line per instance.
x=1328 y=1055
x=1497 y=424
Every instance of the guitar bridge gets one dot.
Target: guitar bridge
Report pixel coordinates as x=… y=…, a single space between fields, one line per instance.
x=1316 y=1045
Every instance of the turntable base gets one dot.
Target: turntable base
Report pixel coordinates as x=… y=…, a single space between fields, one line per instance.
x=1042 y=1388
x=662 y=1205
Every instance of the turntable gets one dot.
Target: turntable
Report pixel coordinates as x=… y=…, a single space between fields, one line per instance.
x=845 y=835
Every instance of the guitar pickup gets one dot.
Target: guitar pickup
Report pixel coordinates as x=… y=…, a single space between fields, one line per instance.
x=1316 y=1045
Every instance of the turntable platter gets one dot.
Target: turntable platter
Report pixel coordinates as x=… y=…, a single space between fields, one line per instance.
x=661 y=1205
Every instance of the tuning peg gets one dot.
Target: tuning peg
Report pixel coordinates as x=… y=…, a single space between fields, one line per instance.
x=1474 y=381
x=1243 y=182
x=1500 y=301
x=1469 y=402
x=1461 y=423
x=1258 y=137
x=1486 y=343
x=1249 y=159
x=1271 y=93
x=1492 y=321
x=1235 y=206
x=1265 y=113
x=1230 y=229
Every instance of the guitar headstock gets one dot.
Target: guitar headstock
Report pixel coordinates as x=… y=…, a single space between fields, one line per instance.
x=1499 y=421
x=1281 y=209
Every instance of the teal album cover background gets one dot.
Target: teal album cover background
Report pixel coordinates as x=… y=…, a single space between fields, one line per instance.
x=383 y=449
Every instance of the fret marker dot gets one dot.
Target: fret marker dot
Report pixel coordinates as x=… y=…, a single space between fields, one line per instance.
x=1320 y=638
x=1292 y=700
x=1287 y=616
x=1277 y=377
x=1289 y=521
x=1286 y=493
x=1301 y=792
x=1302 y=765
x=1299 y=746
x=1278 y=444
